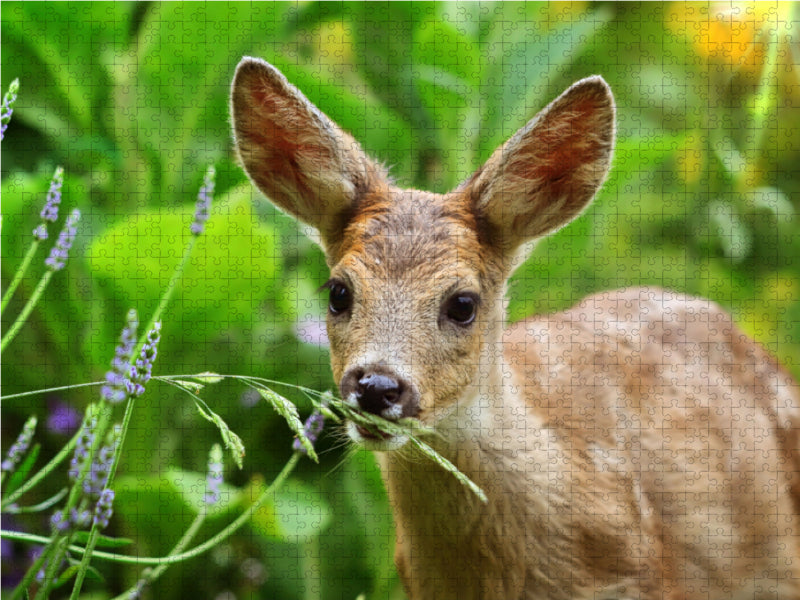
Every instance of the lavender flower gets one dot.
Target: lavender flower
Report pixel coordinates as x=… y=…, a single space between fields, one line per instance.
x=143 y=369
x=97 y=478
x=82 y=448
x=50 y=210
x=104 y=508
x=6 y=109
x=203 y=205
x=19 y=447
x=59 y=253
x=60 y=522
x=214 y=477
x=40 y=232
x=311 y=429
x=118 y=384
x=77 y=519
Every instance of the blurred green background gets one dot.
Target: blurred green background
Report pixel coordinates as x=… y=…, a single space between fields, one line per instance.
x=131 y=98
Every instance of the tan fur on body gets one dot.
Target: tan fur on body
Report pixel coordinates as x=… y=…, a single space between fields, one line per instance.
x=637 y=445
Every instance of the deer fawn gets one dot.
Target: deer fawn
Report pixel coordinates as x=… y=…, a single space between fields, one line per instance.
x=637 y=445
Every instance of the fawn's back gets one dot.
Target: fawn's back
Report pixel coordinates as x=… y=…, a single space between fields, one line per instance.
x=635 y=446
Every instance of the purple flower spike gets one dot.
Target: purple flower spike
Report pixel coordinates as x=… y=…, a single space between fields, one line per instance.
x=85 y=441
x=311 y=428
x=104 y=508
x=203 y=205
x=118 y=384
x=6 y=110
x=59 y=253
x=98 y=473
x=97 y=478
x=50 y=210
x=40 y=232
x=60 y=522
x=143 y=370
x=19 y=447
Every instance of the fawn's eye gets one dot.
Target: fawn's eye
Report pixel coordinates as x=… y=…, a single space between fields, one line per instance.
x=339 y=298
x=461 y=308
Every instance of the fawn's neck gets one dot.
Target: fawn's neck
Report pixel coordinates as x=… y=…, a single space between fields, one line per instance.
x=493 y=439
x=489 y=429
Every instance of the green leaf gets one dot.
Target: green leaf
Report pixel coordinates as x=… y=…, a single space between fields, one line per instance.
x=181 y=128
x=526 y=54
x=103 y=541
x=232 y=441
x=41 y=506
x=222 y=286
x=288 y=411
x=296 y=514
x=68 y=574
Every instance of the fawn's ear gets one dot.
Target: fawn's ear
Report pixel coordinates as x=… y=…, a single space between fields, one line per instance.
x=549 y=171
x=293 y=153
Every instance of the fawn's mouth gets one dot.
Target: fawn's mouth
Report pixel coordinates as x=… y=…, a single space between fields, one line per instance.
x=375 y=440
x=370 y=430
x=370 y=435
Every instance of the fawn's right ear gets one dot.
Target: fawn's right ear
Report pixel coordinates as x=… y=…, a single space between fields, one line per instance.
x=549 y=171
x=293 y=153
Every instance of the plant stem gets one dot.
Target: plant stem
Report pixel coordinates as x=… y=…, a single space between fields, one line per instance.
x=19 y=275
x=52 y=568
x=171 y=286
x=50 y=390
x=26 y=310
x=103 y=422
x=34 y=568
x=165 y=298
x=156 y=573
x=42 y=506
x=197 y=550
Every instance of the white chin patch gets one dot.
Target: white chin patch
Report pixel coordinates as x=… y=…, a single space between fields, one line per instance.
x=374 y=443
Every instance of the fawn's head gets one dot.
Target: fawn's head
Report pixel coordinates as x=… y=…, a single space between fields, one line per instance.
x=417 y=279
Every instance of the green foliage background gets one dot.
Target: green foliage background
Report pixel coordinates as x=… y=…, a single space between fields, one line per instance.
x=131 y=98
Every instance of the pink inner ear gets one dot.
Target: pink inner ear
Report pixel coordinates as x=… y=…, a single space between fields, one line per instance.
x=565 y=145
x=281 y=154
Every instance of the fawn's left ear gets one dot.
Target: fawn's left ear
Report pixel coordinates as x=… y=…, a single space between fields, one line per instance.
x=549 y=171
x=300 y=159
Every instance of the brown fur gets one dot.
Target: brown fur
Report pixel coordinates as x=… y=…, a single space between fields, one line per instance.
x=637 y=445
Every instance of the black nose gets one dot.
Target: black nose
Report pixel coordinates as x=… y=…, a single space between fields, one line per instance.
x=380 y=390
x=376 y=392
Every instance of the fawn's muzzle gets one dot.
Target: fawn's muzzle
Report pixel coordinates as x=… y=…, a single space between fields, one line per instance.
x=380 y=391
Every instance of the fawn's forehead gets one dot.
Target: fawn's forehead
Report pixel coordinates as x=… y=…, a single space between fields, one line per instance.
x=409 y=233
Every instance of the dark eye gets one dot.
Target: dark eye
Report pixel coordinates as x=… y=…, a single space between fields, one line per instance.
x=339 y=298
x=461 y=308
